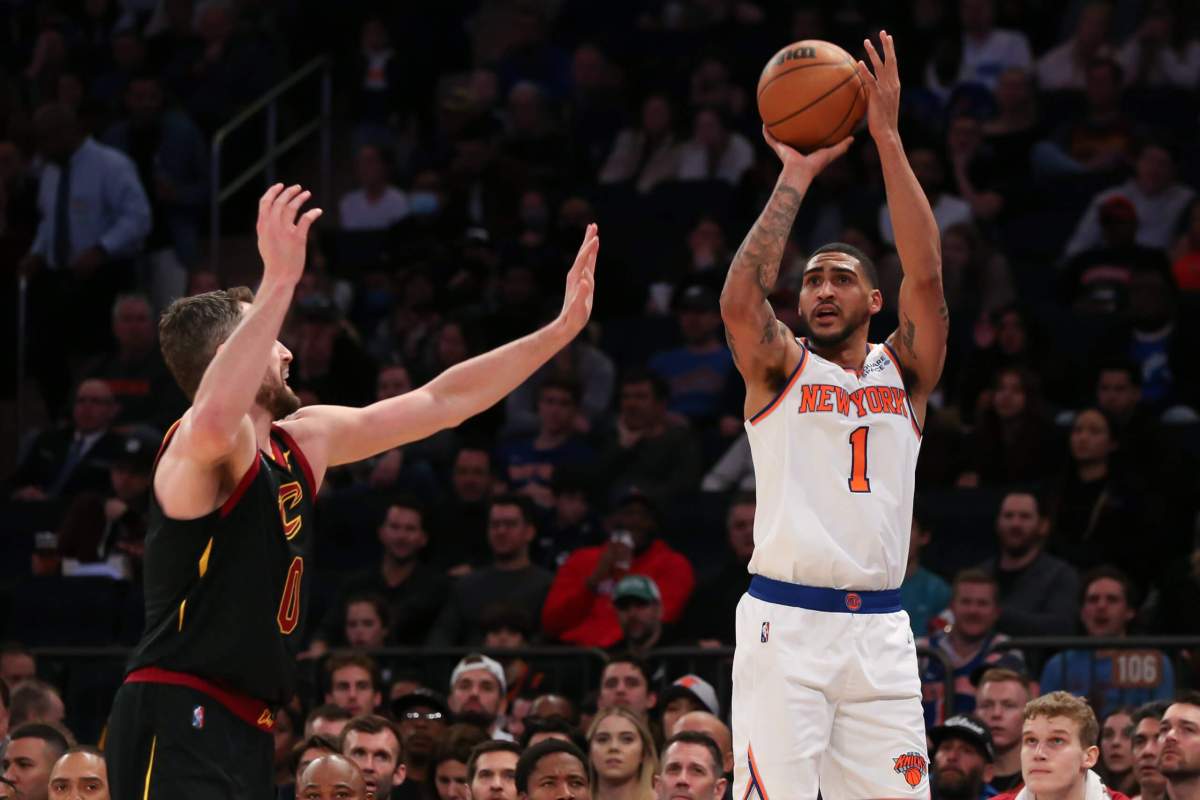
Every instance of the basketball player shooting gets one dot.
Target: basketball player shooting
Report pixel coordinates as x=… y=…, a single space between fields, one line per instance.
x=232 y=525
x=825 y=687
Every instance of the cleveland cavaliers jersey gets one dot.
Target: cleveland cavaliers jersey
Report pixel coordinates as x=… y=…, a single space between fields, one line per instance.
x=227 y=593
x=835 y=458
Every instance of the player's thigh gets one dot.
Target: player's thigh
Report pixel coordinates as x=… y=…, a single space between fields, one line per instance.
x=127 y=741
x=877 y=745
x=781 y=712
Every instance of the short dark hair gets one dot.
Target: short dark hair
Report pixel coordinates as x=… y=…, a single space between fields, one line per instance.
x=372 y=724
x=1039 y=501
x=490 y=746
x=1190 y=697
x=404 y=500
x=56 y=737
x=702 y=739
x=530 y=758
x=1153 y=710
x=743 y=499
x=662 y=391
x=191 y=329
x=1124 y=365
x=1109 y=572
x=629 y=658
x=563 y=385
x=975 y=575
x=864 y=260
x=376 y=601
x=342 y=660
x=329 y=711
x=317 y=741
x=520 y=501
x=30 y=699
x=457 y=742
x=554 y=724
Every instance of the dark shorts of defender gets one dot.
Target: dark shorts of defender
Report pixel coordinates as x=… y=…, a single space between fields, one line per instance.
x=177 y=743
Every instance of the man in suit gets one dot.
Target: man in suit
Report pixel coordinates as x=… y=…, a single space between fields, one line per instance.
x=65 y=461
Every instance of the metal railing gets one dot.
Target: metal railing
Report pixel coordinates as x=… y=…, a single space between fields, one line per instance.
x=273 y=148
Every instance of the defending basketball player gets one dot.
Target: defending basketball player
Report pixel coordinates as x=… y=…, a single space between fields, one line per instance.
x=232 y=528
x=826 y=692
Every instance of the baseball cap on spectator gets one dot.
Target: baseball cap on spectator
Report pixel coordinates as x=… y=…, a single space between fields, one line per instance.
x=1000 y=660
x=636 y=587
x=967 y=728
x=137 y=453
x=421 y=697
x=695 y=687
x=479 y=661
x=697 y=298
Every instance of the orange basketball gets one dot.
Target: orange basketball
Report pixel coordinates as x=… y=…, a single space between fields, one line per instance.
x=810 y=95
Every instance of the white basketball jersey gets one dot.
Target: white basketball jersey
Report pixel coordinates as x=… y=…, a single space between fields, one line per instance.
x=835 y=458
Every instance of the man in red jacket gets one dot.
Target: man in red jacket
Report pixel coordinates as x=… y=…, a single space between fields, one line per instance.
x=579 y=608
x=1058 y=751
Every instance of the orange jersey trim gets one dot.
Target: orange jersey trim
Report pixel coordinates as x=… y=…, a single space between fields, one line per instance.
x=767 y=409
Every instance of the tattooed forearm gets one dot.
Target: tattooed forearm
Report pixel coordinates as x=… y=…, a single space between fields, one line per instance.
x=761 y=252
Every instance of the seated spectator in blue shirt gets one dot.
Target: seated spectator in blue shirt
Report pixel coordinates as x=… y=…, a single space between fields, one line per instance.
x=968 y=644
x=1110 y=678
x=529 y=463
x=697 y=371
x=923 y=594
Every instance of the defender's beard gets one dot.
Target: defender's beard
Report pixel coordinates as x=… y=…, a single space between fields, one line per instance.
x=277 y=398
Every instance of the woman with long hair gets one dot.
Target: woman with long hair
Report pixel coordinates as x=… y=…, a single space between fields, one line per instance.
x=623 y=755
x=1012 y=437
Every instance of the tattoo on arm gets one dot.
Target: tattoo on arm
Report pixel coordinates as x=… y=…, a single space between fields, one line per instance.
x=909 y=335
x=732 y=346
x=762 y=250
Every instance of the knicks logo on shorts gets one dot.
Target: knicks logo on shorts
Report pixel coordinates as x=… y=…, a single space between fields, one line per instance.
x=766 y=632
x=912 y=766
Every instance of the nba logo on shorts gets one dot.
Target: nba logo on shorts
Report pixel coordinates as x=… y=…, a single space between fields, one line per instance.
x=198 y=717
x=766 y=632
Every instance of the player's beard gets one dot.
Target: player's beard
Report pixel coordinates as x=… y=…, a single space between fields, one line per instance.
x=835 y=339
x=278 y=399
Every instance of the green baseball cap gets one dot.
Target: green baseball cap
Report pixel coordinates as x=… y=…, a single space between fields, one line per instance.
x=637 y=587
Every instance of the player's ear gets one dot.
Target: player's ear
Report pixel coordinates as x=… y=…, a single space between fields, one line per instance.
x=875 y=301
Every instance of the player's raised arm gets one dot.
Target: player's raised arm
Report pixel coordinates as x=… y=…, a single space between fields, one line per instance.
x=233 y=377
x=762 y=345
x=920 y=341
x=334 y=435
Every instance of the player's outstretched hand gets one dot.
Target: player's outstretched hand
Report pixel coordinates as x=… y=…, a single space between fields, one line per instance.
x=883 y=87
x=807 y=166
x=581 y=282
x=282 y=237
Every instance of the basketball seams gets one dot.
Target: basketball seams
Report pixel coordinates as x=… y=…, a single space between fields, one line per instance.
x=849 y=112
x=813 y=102
x=789 y=71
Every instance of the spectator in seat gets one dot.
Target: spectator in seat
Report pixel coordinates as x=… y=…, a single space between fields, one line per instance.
x=684 y=696
x=331 y=360
x=1000 y=703
x=553 y=770
x=305 y=752
x=332 y=775
x=639 y=612
x=696 y=372
x=1096 y=281
x=1099 y=142
x=460 y=523
x=353 y=683
x=28 y=760
x=373 y=743
x=573 y=522
x=962 y=759
x=367 y=623
x=80 y=772
x=492 y=771
x=62 y=462
x=623 y=756
x=17 y=664
x=422 y=717
x=716 y=152
x=985 y=50
x=326 y=720
x=711 y=611
x=626 y=681
x=1145 y=748
x=1116 y=750
x=1064 y=68
x=579 y=608
x=711 y=726
x=530 y=464
x=135 y=372
x=377 y=204
x=1179 y=737
x=968 y=644
x=415 y=592
x=450 y=774
x=691 y=768
x=1058 y=751
x=646 y=450
x=34 y=700
x=1012 y=437
x=923 y=594
x=1156 y=193
x=1110 y=679
x=512 y=578
x=648 y=154
x=478 y=690
x=1039 y=593
x=1164 y=52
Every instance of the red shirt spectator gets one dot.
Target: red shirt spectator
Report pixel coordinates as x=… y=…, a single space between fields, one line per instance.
x=579 y=608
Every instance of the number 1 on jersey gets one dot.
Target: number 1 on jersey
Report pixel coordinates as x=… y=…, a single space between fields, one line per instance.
x=859 y=482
